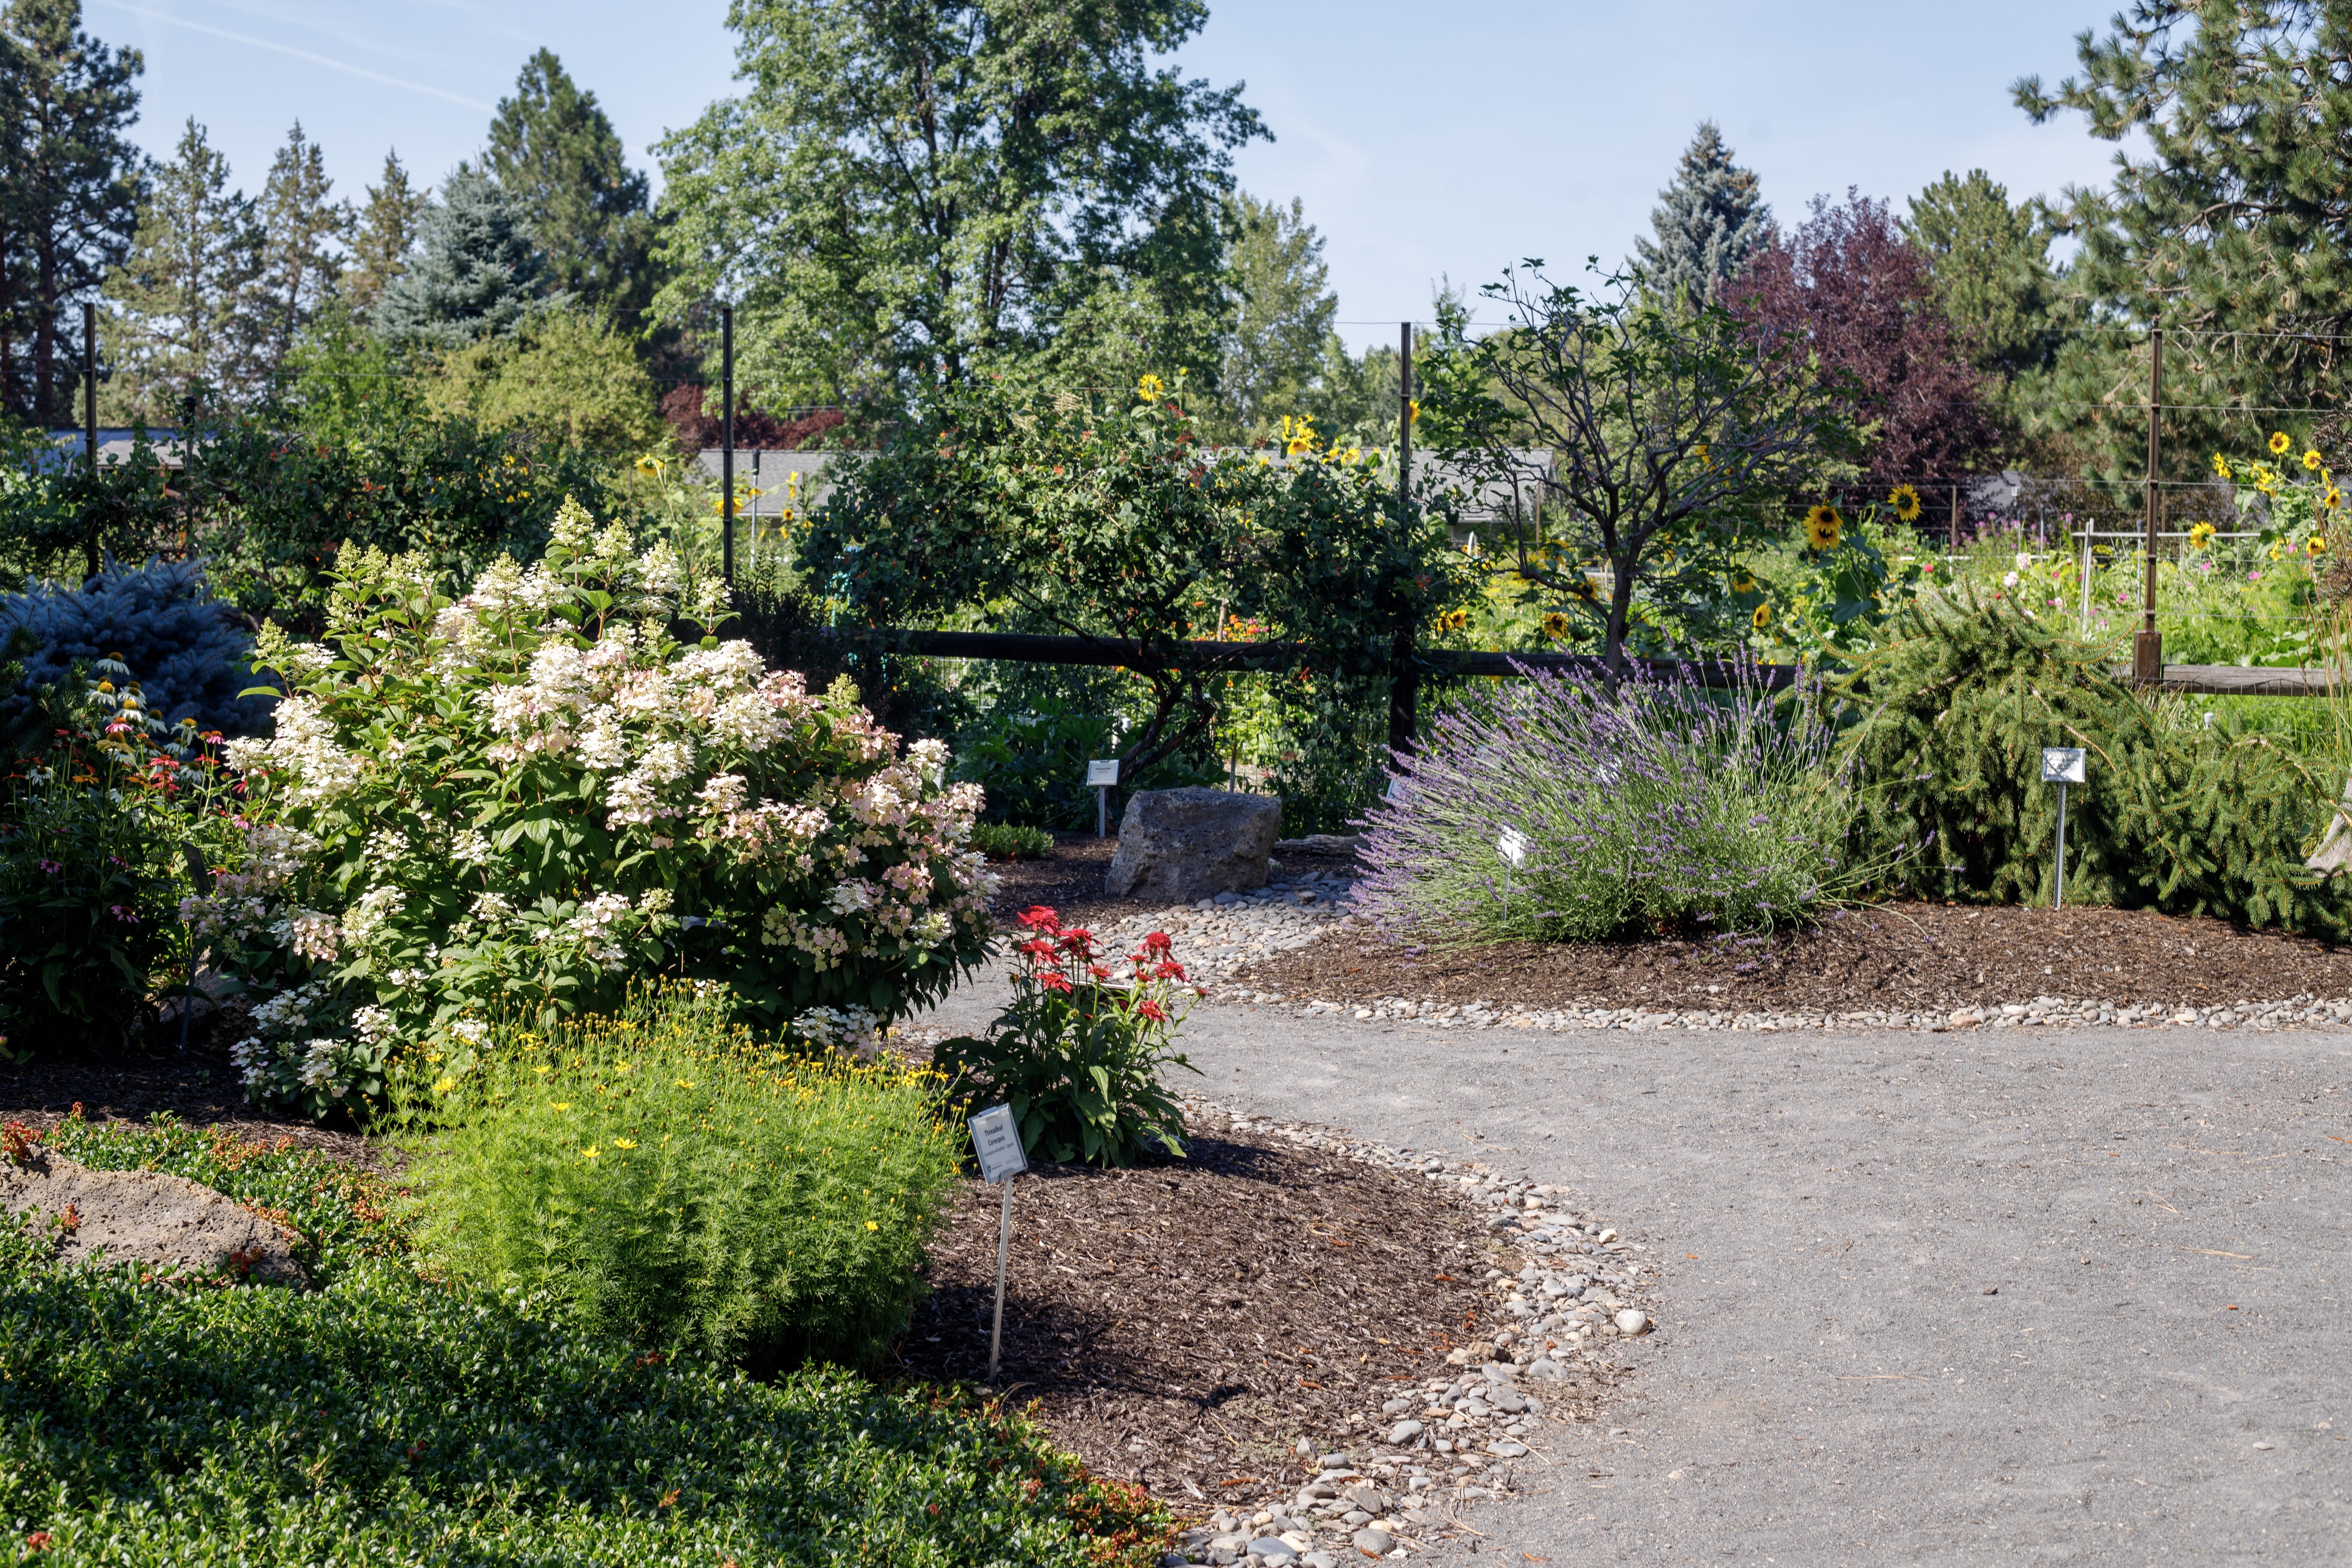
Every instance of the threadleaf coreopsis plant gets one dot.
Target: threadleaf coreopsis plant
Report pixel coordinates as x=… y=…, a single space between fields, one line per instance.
x=514 y=802
x=1653 y=803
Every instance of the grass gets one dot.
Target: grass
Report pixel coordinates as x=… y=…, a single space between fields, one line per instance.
x=674 y=1183
x=389 y=1417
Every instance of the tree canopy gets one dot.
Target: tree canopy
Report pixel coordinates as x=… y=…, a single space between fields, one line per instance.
x=1710 y=222
x=476 y=274
x=554 y=152
x=905 y=191
x=177 y=320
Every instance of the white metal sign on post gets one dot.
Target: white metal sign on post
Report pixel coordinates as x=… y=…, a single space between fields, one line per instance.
x=2062 y=765
x=1514 y=847
x=996 y=1142
x=1103 y=776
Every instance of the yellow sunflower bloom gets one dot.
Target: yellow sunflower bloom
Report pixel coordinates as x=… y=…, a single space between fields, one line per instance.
x=2279 y=443
x=1151 y=389
x=1556 y=626
x=2312 y=460
x=1905 y=502
x=649 y=465
x=1742 y=582
x=1582 y=588
x=2220 y=464
x=1822 y=527
x=2200 y=534
x=2315 y=546
x=2276 y=552
x=1762 y=617
x=1412 y=410
x=2331 y=497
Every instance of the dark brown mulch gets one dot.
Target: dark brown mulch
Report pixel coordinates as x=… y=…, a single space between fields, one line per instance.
x=1180 y=1323
x=1070 y=881
x=199 y=1091
x=1900 y=955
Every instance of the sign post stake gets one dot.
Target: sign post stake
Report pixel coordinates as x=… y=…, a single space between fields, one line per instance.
x=1513 y=846
x=996 y=1141
x=2061 y=765
x=1102 y=775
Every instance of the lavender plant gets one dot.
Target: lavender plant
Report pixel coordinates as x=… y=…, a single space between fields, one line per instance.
x=1653 y=803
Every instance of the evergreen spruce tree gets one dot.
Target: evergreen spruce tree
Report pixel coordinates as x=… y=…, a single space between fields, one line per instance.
x=556 y=156
x=70 y=182
x=475 y=273
x=1712 y=221
x=384 y=237
x=301 y=235
x=176 y=318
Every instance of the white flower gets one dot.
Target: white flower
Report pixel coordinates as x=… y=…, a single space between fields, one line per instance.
x=931 y=759
x=851 y=898
x=2009 y=581
x=724 y=792
x=470 y=848
x=473 y=1031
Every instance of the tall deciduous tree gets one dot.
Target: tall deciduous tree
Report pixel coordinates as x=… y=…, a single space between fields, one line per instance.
x=175 y=319
x=555 y=154
x=906 y=189
x=303 y=235
x=2237 y=219
x=1847 y=285
x=476 y=274
x=1709 y=223
x=69 y=191
x=1280 y=339
x=384 y=237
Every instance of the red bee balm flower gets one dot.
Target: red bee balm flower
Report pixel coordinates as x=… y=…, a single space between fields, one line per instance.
x=1154 y=1011
x=1054 y=983
x=1158 y=941
x=1037 y=917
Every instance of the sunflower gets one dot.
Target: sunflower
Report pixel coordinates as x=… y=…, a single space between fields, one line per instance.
x=2331 y=497
x=1555 y=626
x=1905 y=502
x=2316 y=545
x=2312 y=460
x=2279 y=443
x=2200 y=534
x=2220 y=464
x=1582 y=588
x=1454 y=620
x=1822 y=526
x=1151 y=389
x=649 y=465
x=1742 y=583
x=1762 y=617
x=2277 y=553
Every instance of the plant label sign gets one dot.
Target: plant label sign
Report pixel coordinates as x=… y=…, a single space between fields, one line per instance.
x=1102 y=773
x=996 y=1139
x=2062 y=765
x=1515 y=846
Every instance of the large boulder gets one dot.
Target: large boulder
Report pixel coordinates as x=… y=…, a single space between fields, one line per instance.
x=1185 y=844
x=146 y=1217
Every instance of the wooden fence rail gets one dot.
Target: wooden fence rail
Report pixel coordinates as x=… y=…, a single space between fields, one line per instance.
x=2205 y=680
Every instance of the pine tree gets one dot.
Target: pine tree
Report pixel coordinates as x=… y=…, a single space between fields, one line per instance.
x=70 y=182
x=177 y=305
x=558 y=158
x=301 y=234
x=384 y=237
x=1991 y=264
x=1712 y=222
x=475 y=273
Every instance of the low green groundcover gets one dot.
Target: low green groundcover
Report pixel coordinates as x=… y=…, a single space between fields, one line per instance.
x=384 y=1418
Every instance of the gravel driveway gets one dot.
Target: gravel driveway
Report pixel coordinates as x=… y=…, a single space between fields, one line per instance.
x=2059 y=1297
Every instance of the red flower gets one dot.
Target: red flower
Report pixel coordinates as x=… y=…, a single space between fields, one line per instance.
x=1079 y=943
x=1154 y=1011
x=1158 y=941
x=38 y=1542
x=1037 y=917
x=1037 y=947
x=1099 y=972
x=1054 y=983
x=1169 y=971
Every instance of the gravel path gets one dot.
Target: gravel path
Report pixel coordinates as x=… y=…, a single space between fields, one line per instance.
x=1962 y=1297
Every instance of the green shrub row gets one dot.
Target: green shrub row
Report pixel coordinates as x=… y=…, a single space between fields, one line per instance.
x=1002 y=841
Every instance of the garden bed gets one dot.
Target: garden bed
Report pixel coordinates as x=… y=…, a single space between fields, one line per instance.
x=1070 y=881
x=1182 y=1324
x=200 y=1090
x=1902 y=956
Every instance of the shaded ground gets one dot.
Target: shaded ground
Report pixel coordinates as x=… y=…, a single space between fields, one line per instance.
x=1070 y=881
x=200 y=1090
x=1901 y=955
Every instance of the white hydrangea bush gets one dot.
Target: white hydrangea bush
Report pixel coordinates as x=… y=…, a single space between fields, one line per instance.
x=520 y=801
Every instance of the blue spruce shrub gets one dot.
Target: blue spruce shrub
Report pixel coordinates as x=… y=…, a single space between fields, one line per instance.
x=184 y=647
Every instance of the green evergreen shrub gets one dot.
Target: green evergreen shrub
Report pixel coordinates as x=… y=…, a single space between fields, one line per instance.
x=1955 y=707
x=674 y=1183
x=1002 y=841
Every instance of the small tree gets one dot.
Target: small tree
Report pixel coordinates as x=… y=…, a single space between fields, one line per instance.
x=1641 y=437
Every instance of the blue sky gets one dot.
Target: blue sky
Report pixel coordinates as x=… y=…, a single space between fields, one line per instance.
x=1426 y=142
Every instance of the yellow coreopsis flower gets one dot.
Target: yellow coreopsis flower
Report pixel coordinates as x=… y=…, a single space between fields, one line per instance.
x=624 y=1143
x=444 y=1084
x=589 y=1152
x=2220 y=464
x=1905 y=502
x=2279 y=443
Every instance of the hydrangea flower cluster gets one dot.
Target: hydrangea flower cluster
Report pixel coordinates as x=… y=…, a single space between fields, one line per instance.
x=518 y=800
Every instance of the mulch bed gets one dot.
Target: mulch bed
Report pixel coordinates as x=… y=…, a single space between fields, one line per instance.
x=1070 y=881
x=200 y=1090
x=1919 y=956
x=1179 y=1324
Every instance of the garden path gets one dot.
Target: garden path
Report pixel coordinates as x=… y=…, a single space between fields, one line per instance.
x=2165 y=1372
